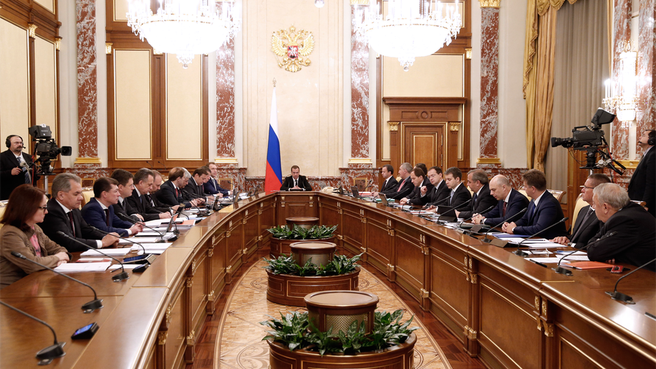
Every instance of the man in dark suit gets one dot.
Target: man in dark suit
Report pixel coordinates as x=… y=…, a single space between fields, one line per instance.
x=459 y=196
x=153 y=200
x=440 y=190
x=509 y=203
x=194 y=190
x=419 y=180
x=125 y=181
x=99 y=212
x=296 y=182
x=138 y=203
x=390 y=184
x=477 y=181
x=212 y=185
x=629 y=231
x=642 y=186
x=64 y=215
x=587 y=224
x=405 y=186
x=14 y=166
x=543 y=211
x=170 y=192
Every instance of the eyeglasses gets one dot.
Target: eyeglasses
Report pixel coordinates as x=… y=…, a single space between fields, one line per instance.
x=587 y=188
x=44 y=208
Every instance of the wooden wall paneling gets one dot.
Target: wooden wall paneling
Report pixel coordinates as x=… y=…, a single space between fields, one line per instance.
x=423 y=143
x=409 y=260
x=197 y=286
x=507 y=316
x=352 y=229
x=251 y=232
x=296 y=204
x=15 y=76
x=379 y=242
x=267 y=215
x=175 y=343
x=217 y=256
x=234 y=244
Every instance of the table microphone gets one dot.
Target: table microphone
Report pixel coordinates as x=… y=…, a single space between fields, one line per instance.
x=619 y=296
x=454 y=208
x=521 y=253
x=437 y=203
x=560 y=270
x=51 y=352
x=468 y=232
x=129 y=219
x=89 y=306
x=120 y=276
x=487 y=240
x=145 y=256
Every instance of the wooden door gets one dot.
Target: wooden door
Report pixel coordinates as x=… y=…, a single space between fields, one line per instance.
x=424 y=143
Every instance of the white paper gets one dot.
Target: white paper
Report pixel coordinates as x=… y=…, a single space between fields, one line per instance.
x=556 y=259
x=152 y=246
x=127 y=266
x=83 y=267
x=111 y=252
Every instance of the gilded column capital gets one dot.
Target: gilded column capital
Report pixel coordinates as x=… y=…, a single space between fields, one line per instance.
x=490 y=3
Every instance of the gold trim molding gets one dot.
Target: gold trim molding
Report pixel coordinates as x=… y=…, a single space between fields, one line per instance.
x=58 y=43
x=629 y=164
x=31 y=27
x=393 y=126
x=360 y=161
x=359 y=2
x=468 y=53
x=490 y=3
x=454 y=127
x=488 y=161
x=88 y=161
x=226 y=161
x=161 y=337
x=108 y=48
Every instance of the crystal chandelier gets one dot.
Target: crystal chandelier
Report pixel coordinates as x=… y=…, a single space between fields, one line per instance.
x=184 y=27
x=623 y=102
x=411 y=28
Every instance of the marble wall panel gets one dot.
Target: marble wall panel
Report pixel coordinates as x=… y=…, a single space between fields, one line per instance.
x=359 y=91
x=225 y=100
x=622 y=35
x=87 y=79
x=646 y=116
x=489 y=82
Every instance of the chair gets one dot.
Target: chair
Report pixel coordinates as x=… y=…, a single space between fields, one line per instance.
x=577 y=208
x=3 y=205
x=523 y=192
x=87 y=194
x=558 y=194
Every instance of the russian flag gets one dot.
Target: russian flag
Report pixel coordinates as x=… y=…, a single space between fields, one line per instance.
x=273 y=178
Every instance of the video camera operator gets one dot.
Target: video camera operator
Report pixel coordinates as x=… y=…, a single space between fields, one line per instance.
x=14 y=166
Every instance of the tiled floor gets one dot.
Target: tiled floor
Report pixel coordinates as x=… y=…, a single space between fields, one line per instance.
x=235 y=325
x=241 y=344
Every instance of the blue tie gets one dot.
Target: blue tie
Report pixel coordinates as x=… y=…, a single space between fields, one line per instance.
x=531 y=208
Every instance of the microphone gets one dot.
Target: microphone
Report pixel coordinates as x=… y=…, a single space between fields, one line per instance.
x=120 y=276
x=51 y=352
x=89 y=306
x=437 y=203
x=521 y=253
x=484 y=211
x=145 y=256
x=453 y=208
x=502 y=243
x=619 y=296
x=371 y=182
x=560 y=270
x=129 y=219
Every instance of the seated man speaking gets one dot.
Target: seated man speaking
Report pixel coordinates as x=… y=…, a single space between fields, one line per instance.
x=296 y=182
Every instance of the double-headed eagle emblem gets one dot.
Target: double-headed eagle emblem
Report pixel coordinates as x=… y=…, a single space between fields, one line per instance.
x=293 y=47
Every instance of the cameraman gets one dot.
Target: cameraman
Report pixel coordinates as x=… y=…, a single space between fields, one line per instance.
x=14 y=166
x=642 y=186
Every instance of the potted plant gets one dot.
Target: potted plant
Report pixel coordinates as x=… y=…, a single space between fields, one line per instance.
x=283 y=236
x=294 y=341
x=289 y=282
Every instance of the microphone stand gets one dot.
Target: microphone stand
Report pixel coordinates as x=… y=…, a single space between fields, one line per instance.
x=453 y=208
x=521 y=253
x=496 y=241
x=120 y=276
x=89 y=306
x=51 y=352
x=469 y=233
x=619 y=296
x=560 y=270
x=129 y=219
x=148 y=258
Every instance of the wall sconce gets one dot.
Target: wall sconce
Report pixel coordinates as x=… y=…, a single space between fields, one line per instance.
x=319 y=3
x=623 y=102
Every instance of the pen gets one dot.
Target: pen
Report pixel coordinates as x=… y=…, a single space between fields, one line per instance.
x=540 y=264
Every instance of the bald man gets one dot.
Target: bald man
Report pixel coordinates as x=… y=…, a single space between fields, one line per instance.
x=510 y=202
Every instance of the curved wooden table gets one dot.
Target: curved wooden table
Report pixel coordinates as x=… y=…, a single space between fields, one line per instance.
x=504 y=309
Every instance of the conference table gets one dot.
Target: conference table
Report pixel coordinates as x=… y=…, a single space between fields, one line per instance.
x=504 y=309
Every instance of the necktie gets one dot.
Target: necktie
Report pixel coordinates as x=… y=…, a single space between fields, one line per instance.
x=451 y=196
x=107 y=216
x=581 y=225
x=152 y=203
x=295 y=182
x=504 y=209
x=474 y=200
x=401 y=186
x=531 y=209
x=177 y=195
x=70 y=218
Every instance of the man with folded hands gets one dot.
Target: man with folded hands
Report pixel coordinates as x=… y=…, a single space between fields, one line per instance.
x=510 y=202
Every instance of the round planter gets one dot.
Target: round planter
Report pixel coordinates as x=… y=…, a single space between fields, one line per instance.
x=303 y=222
x=397 y=357
x=291 y=290
x=339 y=309
x=281 y=246
x=320 y=252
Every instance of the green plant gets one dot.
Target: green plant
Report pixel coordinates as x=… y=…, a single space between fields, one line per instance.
x=301 y=233
x=341 y=264
x=294 y=331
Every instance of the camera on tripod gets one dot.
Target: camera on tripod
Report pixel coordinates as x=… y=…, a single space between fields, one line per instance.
x=45 y=149
x=591 y=138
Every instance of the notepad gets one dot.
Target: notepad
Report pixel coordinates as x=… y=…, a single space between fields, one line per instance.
x=583 y=265
x=111 y=252
x=83 y=267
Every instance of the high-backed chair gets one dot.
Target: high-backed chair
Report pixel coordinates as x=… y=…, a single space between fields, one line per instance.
x=579 y=205
x=558 y=194
x=3 y=205
x=87 y=193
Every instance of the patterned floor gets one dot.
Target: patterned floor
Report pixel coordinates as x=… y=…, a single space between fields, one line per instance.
x=240 y=334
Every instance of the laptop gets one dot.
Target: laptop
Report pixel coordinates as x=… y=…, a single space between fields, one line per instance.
x=383 y=199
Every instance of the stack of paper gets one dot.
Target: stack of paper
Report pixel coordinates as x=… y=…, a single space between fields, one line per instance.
x=83 y=267
x=111 y=252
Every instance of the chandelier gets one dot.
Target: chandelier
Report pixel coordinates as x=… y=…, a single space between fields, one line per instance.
x=184 y=27
x=411 y=28
x=623 y=102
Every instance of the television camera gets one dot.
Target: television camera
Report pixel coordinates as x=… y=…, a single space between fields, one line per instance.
x=45 y=149
x=591 y=139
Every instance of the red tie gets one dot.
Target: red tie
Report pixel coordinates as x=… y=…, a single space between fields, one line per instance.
x=107 y=216
x=70 y=217
x=401 y=186
x=504 y=208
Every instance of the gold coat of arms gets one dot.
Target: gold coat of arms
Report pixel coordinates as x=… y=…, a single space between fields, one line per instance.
x=293 y=47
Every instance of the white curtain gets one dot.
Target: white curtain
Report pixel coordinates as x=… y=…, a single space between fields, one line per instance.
x=581 y=67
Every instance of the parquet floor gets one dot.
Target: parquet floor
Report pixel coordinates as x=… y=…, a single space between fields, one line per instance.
x=241 y=345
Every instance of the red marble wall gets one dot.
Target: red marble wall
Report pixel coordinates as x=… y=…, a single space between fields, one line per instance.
x=622 y=34
x=489 y=82
x=87 y=83
x=646 y=115
x=359 y=91
x=225 y=100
